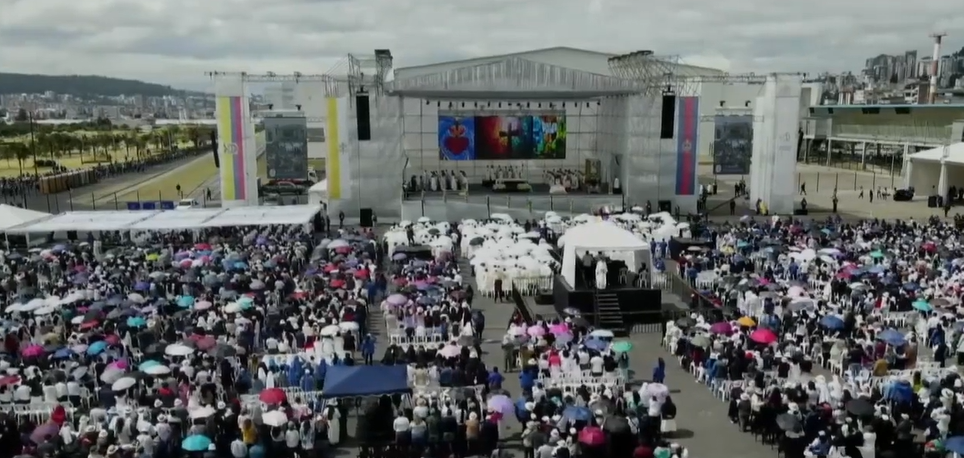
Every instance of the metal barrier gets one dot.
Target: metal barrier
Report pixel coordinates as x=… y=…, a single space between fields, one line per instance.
x=857 y=180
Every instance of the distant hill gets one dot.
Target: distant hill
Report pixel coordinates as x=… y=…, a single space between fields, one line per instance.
x=80 y=85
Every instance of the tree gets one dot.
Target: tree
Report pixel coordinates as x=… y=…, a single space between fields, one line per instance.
x=21 y=115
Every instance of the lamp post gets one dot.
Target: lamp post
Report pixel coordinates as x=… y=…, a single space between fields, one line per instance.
x=33 y=143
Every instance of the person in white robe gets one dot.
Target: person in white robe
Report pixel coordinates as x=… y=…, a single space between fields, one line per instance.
x=601 y=271
x=333 y=416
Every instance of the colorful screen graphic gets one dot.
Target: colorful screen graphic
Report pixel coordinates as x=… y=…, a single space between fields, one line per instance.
x=549 y=137
x=456 y=138
x=502 y=137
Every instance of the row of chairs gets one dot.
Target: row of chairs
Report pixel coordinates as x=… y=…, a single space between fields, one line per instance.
x=433 y=341
x=37 y=411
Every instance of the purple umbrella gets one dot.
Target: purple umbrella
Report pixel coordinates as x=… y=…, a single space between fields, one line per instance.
x=502 y=404
x=41 y=432
x=142 y=286
x=397 y=299
x=721 y=328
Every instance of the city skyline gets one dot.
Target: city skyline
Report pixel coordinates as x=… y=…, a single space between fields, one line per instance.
x=175 y=42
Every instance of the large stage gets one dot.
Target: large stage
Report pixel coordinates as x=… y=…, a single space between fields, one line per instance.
x=637 y=305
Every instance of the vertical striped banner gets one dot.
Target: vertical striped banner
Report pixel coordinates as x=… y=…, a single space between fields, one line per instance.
x=333 y=164
x=687 y=139
x=230 y=115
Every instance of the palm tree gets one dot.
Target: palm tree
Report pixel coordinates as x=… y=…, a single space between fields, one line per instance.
x=21 y=152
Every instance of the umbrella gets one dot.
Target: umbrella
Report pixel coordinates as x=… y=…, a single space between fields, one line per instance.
x=571 y=311
x=790 y=423
x=272 y=396
x=955 y=445
x=196 y=443
x=700 y=341
x=892 y=337
x=500 y=403
x=685 y=322
x=123 y=383
x=832 y=322
x=574 y=413
x=397 y=299
x=721 y=328
x=202 y=412
x=97 y=348
x=763 y=336
x=746 y=322
x=157 y=370
x=922 y=306
x=274 y=418
x=39 y=435
x=592 y=436
x=860 y=407
x=656 y=390
x=622 y=346
x=616 y=425
x=178 y=350
x=602 y=334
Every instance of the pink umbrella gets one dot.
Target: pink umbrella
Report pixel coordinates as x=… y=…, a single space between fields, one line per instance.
x=721 y=328
x=592 y=436
x=202 y=247
x=536 y=331
x=186 y=263
x=763 y=336
x=558 y=329
x=32 y=351
x=120 y=364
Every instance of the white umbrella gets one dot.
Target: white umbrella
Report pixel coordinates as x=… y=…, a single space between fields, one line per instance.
x=136 y=298
x=47 y=310
x=77 y=319
x=111 y=375
x=348 y=326
x=603 y=334
x=338 y=244
x=274 y=418
x=330 y=331
x=202 y=305
x=233 y=307
x=201 y=412
x=178 y=350
x=123 y=383
x=33 y=305
x=18 y=307
x=157 y=370
x=424 y=219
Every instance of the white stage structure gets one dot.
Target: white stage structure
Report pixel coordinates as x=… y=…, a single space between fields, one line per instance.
x=776 y=125
x=932 y=171
x=616 y=242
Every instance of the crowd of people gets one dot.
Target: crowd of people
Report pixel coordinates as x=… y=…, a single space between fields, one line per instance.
x=829 y=338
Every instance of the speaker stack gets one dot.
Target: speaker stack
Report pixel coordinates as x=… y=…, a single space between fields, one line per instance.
x=366 y=217
x=364 y=122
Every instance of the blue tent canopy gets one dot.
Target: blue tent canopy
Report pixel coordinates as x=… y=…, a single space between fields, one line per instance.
x=346 y=381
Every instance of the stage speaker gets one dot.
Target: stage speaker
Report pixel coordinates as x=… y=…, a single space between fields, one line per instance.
x=665 y=206
x=365 y=215
x=668 y=120
x=932 y=201
x=364 y=117
x=214 y=148
x=800 y=212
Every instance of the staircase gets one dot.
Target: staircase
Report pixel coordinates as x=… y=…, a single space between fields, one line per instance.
x=608 y=314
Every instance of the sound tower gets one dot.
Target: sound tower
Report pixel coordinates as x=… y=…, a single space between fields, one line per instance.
x=365 y=215
x=667 y=126
x=214 y=148
x=364 y=117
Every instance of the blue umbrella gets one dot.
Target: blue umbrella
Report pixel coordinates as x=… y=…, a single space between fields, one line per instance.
x=97 y=348
x=922 y=306
x=185 y=302
x=911 y=286
x=596 y=344
x=240 y=265
x=63 y=353
x=955 y=445
x=577 y=413
x=142 y=286
x=147 y=365
x=832 y=322
x=892 y=337
x=196 y=443
x=136 y=322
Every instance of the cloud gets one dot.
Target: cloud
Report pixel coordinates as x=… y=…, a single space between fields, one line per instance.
x=176 y=41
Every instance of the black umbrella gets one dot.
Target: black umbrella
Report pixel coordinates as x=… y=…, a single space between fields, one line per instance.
x=616 y=425
x=790 y=423
x=860 y=407
x=223 y=351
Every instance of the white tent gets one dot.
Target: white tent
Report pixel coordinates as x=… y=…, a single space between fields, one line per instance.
x=288 y=215
x=931 y=171
x=318 y=193
x=616 y=242
x=11 y=216
x=84 y=221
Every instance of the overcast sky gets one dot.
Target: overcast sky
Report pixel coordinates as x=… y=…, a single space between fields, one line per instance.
x=176 y=41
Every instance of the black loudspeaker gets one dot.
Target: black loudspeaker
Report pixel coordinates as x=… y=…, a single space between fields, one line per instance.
x=665 y=205
x=214 y=148
x=800 y=212
x=932 y=201
x=364 y=118
x=72 y=235
x=365 y=215
x=668 y=120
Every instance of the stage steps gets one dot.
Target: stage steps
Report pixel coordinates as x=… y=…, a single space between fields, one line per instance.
x=608 y=314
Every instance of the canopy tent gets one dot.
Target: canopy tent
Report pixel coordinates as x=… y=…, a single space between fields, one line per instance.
x=318 y=193
x=931 y=171
x=177 y=219
x=256 y=216
x=342 y=381
x=84 y=221
x=11 y=216
x=617 y=242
